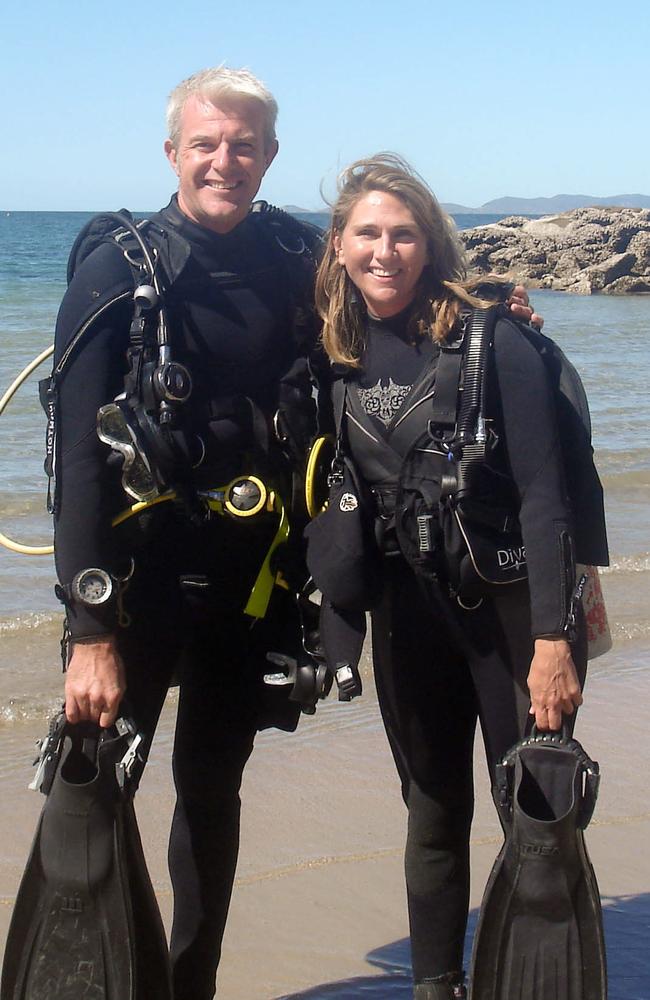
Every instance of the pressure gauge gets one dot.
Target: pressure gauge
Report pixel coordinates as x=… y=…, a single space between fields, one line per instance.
x=92 y=586
x=245 y=496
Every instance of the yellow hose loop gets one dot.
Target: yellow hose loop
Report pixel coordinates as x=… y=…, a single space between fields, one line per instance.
x=311 y=473
x=9 y=543
x=24 y=375
x=25 y=550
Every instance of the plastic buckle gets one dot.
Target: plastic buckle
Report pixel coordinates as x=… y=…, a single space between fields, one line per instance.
x=336 y=473
x=49 y=753
x=348 y=681
x=502 y=790
x=124 y=767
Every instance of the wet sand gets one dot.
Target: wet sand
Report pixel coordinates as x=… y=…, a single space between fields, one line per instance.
x=319 y=907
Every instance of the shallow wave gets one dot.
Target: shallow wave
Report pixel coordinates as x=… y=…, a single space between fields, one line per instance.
x=31 y=621
x=629 y=630
x=628 y=564
x=625 y=478
x=23 y=503
x=27 y=709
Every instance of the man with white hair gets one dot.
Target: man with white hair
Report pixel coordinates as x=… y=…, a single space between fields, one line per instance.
x=228 y=402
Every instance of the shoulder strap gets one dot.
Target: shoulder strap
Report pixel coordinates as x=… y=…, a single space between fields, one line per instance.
x=458 y=420
x=297 y=245
x=99 y=229
x=292 y=235
x=445 y=399
x=145 y=244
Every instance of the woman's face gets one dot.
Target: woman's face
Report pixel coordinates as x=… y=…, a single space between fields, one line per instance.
x=384 y=252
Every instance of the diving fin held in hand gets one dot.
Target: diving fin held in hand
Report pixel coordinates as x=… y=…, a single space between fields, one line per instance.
x=86 y=922
x=540 y=933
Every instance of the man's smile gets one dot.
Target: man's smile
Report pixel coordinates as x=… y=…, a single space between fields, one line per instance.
x=222 y=185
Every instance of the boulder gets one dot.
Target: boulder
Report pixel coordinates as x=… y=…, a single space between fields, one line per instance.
x=583 y=251
x=617 y=266
x=639 y=245
x=628 y=285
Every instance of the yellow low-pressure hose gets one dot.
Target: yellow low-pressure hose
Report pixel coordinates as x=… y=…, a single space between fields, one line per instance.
x=26 y=550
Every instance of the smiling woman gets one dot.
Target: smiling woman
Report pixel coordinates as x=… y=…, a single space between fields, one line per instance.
x=396 y=311
x=387 y=220
x=383 y=251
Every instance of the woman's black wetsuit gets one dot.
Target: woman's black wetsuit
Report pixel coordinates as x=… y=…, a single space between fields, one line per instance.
x=231 y=324
x=438 y=666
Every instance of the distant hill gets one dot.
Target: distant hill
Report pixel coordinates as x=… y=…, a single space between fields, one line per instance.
x=451 y=208
x=549 y=206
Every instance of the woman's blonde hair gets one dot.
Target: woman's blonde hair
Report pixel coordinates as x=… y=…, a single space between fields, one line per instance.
x=441 y=291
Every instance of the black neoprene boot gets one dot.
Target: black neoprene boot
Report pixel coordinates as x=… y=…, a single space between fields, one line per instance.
x=448 y=987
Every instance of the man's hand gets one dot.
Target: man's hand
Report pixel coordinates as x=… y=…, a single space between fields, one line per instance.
x=520 y=307
x=553 y=683
x=94 y=682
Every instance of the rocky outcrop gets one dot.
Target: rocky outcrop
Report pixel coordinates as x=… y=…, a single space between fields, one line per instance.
x=588 y=250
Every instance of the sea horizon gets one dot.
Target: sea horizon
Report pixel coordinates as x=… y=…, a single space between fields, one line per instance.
x=462 y=220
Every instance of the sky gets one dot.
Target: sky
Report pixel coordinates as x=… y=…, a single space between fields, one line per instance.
x=485 y=99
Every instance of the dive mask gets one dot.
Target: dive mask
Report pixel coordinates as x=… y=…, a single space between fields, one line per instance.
x=115 y=429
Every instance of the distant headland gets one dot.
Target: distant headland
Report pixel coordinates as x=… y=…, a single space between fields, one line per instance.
x=548 y=206
x=522 y=206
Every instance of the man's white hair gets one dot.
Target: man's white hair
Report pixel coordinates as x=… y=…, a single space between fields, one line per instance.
x=221 y=82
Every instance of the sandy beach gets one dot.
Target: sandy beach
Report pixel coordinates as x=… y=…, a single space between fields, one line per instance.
x=319 y=909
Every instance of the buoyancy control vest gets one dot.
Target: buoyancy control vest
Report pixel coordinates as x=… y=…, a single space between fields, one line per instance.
x=439 y=461
x=145 y=424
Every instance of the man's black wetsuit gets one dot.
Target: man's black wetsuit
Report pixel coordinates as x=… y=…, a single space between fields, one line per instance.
x=233 y=311
x=438 y=666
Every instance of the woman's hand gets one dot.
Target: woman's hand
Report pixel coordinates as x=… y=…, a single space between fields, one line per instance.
x=520 y=307
x=94 y=682
x=553 y=683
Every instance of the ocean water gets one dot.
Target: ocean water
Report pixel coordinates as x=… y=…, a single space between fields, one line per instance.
x=607 y=338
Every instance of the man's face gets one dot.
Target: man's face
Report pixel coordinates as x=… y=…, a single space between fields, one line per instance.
x=220 y=160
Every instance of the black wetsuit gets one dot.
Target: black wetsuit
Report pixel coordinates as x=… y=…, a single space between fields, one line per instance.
x=439 y=667
x=232 y=313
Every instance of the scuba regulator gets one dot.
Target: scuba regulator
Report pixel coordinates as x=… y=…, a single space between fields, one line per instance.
x=140 y=423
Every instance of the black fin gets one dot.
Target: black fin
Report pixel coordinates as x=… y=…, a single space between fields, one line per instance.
x=86 y=922
x=540 y=934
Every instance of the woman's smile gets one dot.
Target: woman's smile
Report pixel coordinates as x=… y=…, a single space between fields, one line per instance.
x=384 y=252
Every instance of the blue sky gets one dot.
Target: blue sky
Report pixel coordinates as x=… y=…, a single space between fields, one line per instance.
x=497 y=99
